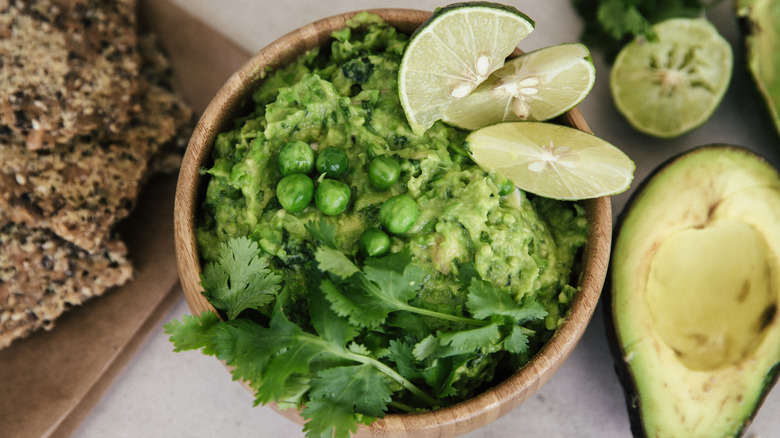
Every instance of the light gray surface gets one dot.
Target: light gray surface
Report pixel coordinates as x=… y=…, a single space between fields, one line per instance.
x=166 y=394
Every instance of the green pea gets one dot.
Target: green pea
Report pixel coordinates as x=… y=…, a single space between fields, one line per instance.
x=294 y=192
x=333 y=162
x=296 y=157
x=374 y=242
x=399 y=213
x=332 y=197
x=383 y=172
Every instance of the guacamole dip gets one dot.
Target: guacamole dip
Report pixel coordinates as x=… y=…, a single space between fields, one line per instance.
x=467 y=223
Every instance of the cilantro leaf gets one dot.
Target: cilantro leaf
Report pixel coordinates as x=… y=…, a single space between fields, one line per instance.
x=281 y=364
x=291 y=351
x=328 y=420
x=394 y=287
x=485 y=300
x=426 y=348
x=621 y=20
x=326 y=322
x=324 y=231
x=460 y=342
x=410 y=324
x=295 y=360
x=362 y=310
x=343 y=396
x=240 y=278
x=402 y=353
x=356 y=348
x=443 y=373
x=334 y=261
x=236 y=343
x=192 y=333
x=367 y=296
x=396 y=262
x=517 y=340
x=422 y=362
x=470 y=341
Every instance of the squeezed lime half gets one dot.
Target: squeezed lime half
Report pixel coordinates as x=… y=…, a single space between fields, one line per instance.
x=552 y=160
x=453 y=52
x=536 y=86
x=672 y=85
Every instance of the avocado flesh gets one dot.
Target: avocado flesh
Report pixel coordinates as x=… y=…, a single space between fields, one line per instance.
x=695 y=291
x=761 y=22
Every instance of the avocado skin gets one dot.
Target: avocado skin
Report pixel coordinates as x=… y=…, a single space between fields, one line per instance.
x=758 y=23
x=622 y=368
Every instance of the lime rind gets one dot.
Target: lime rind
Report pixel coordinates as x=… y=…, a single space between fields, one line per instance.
x=551 y=160
x=452 y=53
x=535 y=86
x=672 y=85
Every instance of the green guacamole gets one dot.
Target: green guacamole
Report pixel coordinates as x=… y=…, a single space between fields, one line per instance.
x=345 y=95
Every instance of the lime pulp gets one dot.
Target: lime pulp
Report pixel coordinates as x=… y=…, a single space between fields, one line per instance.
x=672 y=85
x=453 y=52
x=536 y=86
x=551 y=160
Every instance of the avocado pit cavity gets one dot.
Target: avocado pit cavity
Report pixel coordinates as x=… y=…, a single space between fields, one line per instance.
x=710 y=292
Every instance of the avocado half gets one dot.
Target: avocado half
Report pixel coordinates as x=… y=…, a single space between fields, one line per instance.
x=695 y=286
x=760 y=20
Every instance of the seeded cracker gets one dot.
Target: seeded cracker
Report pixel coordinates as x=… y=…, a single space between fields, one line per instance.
x=60 y=199
x=80 y=190
x=43 y=275
x=67 y=67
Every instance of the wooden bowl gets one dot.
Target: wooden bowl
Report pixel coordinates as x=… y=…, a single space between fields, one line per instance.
x=451 y=421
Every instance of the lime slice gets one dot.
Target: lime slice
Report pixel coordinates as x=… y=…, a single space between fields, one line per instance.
x=552 y=160
x=669 y=86
x=537 y=86
x=454 y=51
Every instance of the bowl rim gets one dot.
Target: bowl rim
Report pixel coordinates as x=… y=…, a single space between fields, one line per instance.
x=457 y=419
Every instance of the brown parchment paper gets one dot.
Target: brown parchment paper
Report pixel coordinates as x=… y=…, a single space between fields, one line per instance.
x=50 y=381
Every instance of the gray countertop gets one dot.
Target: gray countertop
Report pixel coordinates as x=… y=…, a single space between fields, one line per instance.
x=167 y=394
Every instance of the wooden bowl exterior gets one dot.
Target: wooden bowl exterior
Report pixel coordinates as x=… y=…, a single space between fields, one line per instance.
x=451 y=421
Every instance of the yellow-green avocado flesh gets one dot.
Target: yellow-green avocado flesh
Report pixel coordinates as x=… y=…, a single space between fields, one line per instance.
x=694 y=294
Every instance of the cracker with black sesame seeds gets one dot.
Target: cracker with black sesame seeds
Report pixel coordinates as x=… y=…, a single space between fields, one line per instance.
x=73 y=159
x=42 y=276
x=67 y=67
x=81 y=189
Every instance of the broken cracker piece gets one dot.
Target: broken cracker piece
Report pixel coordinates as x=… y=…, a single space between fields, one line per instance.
x=42 y=276
x=67 y=67
x=81 y=189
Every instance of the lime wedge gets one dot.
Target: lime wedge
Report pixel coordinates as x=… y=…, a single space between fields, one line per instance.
x=672 y=85
x=454 y=51
x=537 y=86
x=552 y=160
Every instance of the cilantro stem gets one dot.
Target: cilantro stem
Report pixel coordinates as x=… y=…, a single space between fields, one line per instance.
x=367 y=360
x=402 y=406
x=445 y=316
x=432 y=402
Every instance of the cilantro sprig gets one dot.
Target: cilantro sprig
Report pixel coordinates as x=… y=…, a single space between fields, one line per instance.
x=240 y=279
x=364 y=345
x=367 y=296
